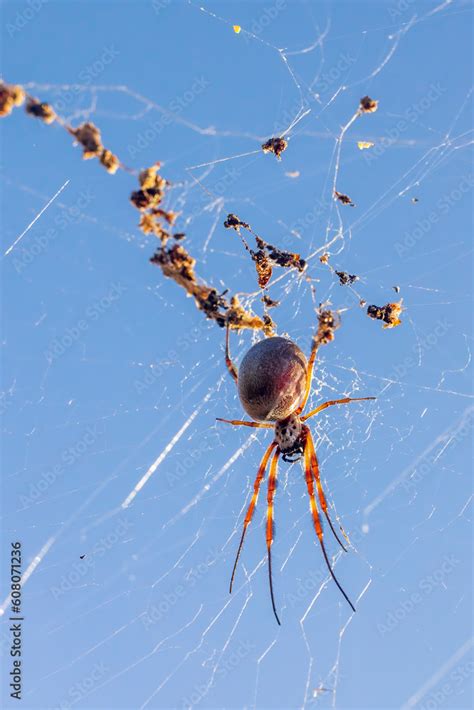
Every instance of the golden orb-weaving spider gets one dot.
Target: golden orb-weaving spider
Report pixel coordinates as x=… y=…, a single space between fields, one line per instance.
x=274 y=382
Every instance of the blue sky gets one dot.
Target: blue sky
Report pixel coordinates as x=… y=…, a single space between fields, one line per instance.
x=108 y=369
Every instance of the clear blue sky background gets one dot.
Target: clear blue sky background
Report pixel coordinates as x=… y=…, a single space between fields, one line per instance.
x=145 y=618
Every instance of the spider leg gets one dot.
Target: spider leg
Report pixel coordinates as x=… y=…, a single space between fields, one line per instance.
x=228 y=361
x=322 y=498
x=309 y=375
x=330 y=403
x=272 y=484
x=251 y=508
x=238 y=422
x=317 y=521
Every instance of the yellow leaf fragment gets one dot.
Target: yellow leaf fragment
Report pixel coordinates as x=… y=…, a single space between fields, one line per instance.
x=363 y=145
x=236 y=29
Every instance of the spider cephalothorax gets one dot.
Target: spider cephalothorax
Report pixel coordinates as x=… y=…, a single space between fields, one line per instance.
x=290 y=437
x=274 y=382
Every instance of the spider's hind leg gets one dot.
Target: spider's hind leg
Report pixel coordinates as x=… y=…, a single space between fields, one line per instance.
x=322 y=498
x=309 y=475
x=272 y=484
x=256 y=488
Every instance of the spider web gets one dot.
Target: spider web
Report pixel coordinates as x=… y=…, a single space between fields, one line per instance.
x=127 y=496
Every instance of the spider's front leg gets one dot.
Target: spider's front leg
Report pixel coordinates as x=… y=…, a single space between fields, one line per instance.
x=332 y=402
x=233 y=372
x=228 y=361
x=309 y=374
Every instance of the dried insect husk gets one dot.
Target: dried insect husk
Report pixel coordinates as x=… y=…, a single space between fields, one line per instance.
x=389 y=313
x=11 y=96
x=41 y=110
x=345 y=278
x=368 y=105
x=88 y=136
x=276 y=146
x=328 y=323
x=263 y=267
x=343 y=199
x=110 y=161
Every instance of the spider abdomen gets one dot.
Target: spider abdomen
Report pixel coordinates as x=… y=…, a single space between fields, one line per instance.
x=272 y=379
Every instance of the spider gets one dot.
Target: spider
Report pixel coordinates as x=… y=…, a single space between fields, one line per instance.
x=274 y=382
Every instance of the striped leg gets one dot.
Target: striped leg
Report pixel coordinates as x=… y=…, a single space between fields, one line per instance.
x=239 y=422
x=317 y=521
x=272 y=484
x=251 y=508
x=346 y=400
x=309 y=375
x=228 y=361
x=317 y=478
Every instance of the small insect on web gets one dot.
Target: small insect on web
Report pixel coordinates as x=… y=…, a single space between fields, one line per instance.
x=274 y=382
